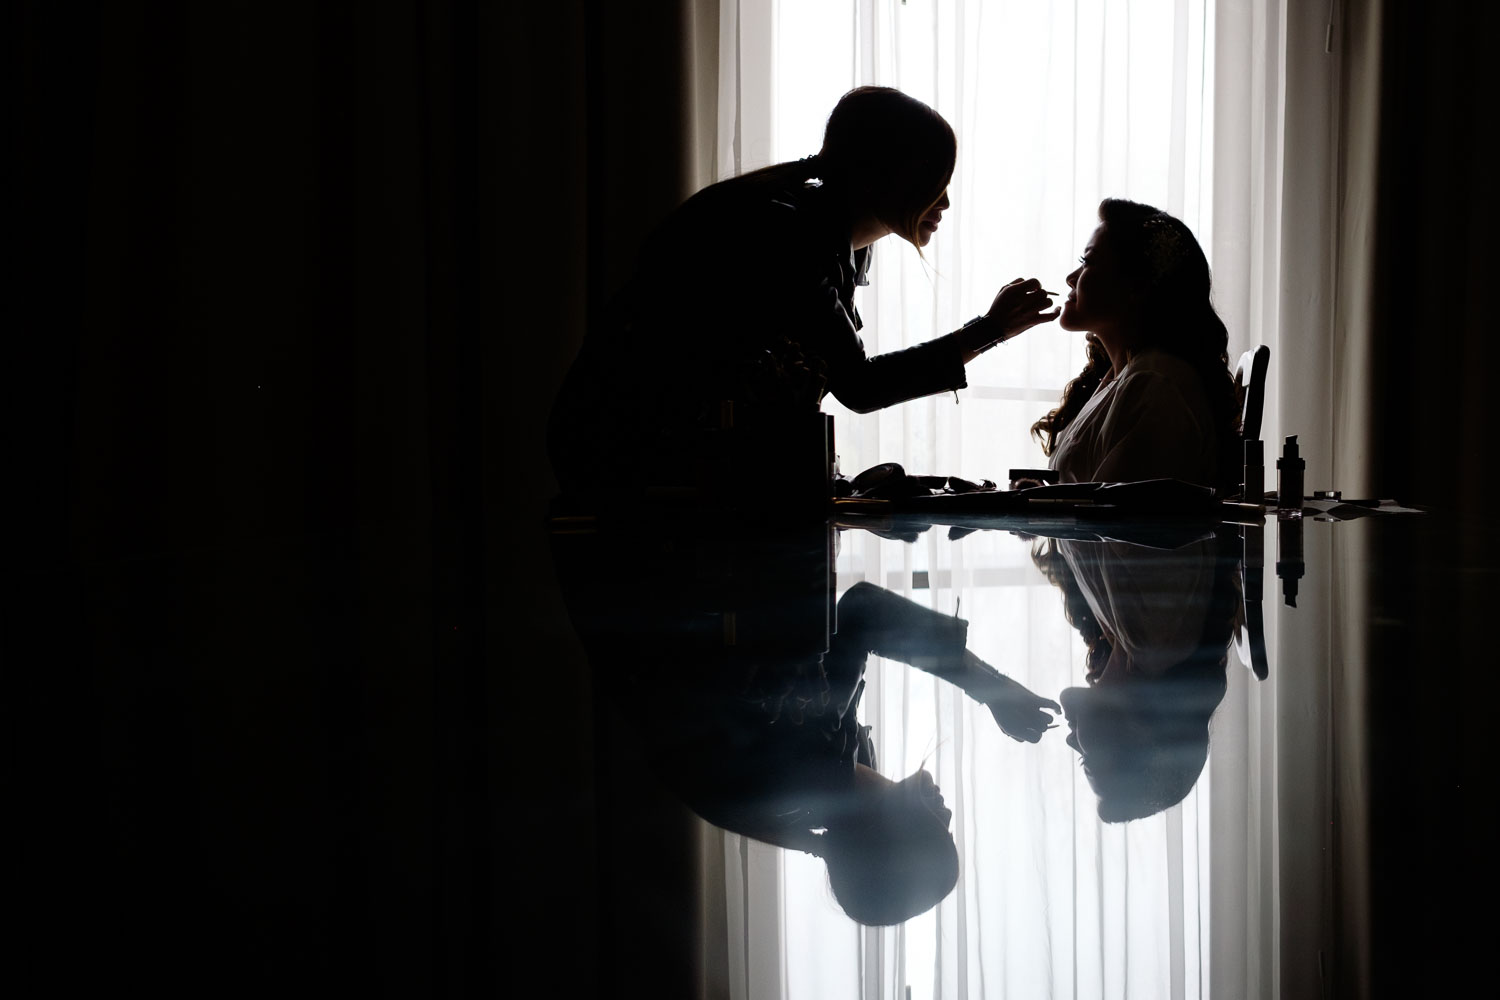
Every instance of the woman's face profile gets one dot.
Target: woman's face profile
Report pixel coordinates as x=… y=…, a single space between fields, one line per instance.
x=930 y=220
x=1098 y=295
x=893 y=857
x=920 y=794
x=1136 y=764
x=915 y=802
x=1092 y=728
x=1103 y=735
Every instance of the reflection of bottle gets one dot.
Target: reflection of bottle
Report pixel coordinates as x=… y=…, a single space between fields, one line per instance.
x=1255 y=471
x=1289 y=468
x=1289 y=564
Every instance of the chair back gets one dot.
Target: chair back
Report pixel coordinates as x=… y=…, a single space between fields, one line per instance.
x=1250 y=389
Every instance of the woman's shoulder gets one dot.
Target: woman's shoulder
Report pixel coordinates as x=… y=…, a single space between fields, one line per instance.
x=761 y=221
x=1161 y=377
x=771 y=196
x=1158 y=364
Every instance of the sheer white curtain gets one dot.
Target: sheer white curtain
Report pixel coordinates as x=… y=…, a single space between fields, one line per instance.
x=1230 y=115
x=1056 y=106
x=1294 y=139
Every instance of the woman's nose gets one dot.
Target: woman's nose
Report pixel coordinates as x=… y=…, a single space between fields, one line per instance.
x=943 y=202
x=1072 y=278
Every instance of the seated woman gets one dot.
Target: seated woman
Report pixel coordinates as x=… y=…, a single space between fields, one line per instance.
x=741 y=309
x=1158 y=624
x=1156 y=400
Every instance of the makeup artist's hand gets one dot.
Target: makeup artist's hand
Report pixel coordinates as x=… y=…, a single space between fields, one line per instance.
x=1020 y=713
x=1019 y=306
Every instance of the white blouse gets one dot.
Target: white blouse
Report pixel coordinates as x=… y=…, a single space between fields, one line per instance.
x=1150 y=421
x=1152 y=603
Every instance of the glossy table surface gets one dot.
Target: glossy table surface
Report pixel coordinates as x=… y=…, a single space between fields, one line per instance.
x=1014 y=756
x=673 y=756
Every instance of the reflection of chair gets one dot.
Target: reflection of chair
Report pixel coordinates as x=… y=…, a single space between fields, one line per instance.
x=1250 y=639
x=1250 y=395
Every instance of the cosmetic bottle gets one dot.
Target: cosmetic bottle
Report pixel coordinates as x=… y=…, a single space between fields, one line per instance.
x=1254 y=490
x=1289 y=469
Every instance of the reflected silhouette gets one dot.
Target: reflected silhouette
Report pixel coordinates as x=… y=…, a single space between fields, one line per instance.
x=1250 y=638
x=1289 y=564
x=743 y=681
x=1158 y=624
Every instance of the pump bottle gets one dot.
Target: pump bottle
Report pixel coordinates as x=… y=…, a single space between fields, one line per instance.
x=1289 y=469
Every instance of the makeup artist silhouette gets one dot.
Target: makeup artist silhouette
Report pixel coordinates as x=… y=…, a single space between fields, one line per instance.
x=745 y=296
x=744 y=693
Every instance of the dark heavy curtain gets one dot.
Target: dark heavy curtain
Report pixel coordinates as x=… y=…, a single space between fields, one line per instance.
x=257 y=258
x=278 y=402
x=1436 y=420
x=1434 y=314
x=297 y=705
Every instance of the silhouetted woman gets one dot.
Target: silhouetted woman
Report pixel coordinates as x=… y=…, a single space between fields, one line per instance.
x=1156 y=400
x=759 y=733
x=1159 y=624
x=746 y=294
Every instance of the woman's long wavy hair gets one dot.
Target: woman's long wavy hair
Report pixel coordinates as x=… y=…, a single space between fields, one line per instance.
x=885 y=149
x=1161 y=258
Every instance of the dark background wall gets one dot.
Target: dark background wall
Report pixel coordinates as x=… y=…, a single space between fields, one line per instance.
x=292 y=286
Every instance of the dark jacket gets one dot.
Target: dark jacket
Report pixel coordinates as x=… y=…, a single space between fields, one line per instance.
x=745 y=294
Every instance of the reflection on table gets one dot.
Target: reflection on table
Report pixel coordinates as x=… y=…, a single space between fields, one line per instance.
x=873 y=738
